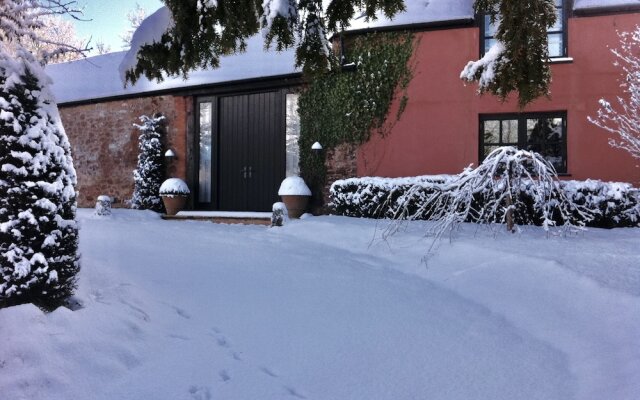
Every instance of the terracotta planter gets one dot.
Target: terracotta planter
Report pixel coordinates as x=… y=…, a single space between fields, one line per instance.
x=174 y=203
x=296 y=204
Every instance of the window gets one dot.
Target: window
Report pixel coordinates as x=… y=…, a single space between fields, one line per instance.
x=556 y=34
x=544 y=133
x=292 y=135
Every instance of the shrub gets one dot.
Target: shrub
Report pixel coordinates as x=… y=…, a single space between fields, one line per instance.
x=612 y=204
x=149 y=174
x=38 y=232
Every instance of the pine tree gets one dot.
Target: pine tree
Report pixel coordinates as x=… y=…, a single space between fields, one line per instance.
x=203 y=30
x=150 y=172
x=518 y=61
x=38 y=233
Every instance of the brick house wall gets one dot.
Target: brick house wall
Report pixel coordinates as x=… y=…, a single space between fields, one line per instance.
x=104 y=143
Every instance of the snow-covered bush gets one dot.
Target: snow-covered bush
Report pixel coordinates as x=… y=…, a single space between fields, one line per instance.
x=38 y=232
x=103 y=206
x=174 y=187
x=149 y=174
x=609 y=204
x=279 y=213
x=624 y=121
x=374 y=197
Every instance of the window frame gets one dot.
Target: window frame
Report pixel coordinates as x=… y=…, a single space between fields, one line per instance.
x=481 y=18
x=522 y=132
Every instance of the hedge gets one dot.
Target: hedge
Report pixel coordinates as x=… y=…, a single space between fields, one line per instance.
x=613 y=204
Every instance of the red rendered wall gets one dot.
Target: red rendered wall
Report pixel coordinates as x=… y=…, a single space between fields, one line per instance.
x=438 y=132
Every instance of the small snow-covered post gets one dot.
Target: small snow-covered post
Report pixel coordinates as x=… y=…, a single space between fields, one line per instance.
x=103 y=206
x=279 y=213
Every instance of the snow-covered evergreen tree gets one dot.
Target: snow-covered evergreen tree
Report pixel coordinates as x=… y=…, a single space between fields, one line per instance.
x=149 y=174
x=518 y=60
x=623 y=121
x=38 y=233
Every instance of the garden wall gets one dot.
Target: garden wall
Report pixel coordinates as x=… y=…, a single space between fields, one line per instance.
x=104 y=143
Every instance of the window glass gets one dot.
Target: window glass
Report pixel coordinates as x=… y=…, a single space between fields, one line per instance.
x=292 y=135
x=492 y=132
x=510 y=131
x=556 y=45
x=204 y=168
x=556 y=34
x=542 y=133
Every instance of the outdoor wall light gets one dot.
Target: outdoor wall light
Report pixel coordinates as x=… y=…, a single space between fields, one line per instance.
x=317 y=148
x=170 y=155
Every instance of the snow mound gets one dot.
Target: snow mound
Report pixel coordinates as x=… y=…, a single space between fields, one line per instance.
x=294 y=186
x=174 y=186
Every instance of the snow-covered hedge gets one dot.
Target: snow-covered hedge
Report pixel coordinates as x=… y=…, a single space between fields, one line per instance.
x=614 y=204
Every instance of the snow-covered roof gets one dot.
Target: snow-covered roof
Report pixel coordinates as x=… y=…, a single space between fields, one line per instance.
x=98 y=77
x=420 y=12
x=597 y=4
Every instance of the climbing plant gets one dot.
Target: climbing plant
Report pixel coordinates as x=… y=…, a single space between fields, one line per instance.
x=346 y=105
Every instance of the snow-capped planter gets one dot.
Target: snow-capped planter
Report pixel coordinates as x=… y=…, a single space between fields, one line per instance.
x=174 y=193
x=103 y=206
x=295 y=195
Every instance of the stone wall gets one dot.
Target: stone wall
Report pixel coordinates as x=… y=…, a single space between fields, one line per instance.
x=104 y=143
x=341 y=162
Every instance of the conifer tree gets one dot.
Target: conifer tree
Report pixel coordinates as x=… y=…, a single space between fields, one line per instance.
x=38 y=233
x=518 y=62
x=150 y=172
x=203 y=30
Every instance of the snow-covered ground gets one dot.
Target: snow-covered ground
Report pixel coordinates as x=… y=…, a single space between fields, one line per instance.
x=318 y=310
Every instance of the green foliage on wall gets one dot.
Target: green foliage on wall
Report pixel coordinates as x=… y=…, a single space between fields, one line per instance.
x=347 y=105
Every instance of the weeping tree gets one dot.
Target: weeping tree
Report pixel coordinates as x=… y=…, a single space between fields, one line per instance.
x=518 y=62
x=195 y=33
x=510 y=187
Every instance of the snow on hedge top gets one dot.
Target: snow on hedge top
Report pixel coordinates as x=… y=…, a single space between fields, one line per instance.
x=593 y=4
x=174 y=186
x=294 y=186
x=99 y=77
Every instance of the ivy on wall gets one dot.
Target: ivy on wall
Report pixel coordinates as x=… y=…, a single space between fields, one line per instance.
x=347 y=105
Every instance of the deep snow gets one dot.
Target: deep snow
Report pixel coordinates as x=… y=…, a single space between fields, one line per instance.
x=319 y=309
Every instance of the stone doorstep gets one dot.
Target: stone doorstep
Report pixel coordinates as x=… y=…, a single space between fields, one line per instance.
x=222 y=217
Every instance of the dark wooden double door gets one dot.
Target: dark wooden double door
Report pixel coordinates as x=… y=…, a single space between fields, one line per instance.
x=241 y=151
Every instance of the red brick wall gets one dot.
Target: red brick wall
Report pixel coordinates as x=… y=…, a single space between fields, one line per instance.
x=104 y=143
x=438 y=132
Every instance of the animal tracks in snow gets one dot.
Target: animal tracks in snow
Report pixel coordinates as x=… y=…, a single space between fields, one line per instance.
x=222 y=341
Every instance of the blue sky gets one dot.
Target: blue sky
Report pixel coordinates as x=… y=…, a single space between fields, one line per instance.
x=108 y=19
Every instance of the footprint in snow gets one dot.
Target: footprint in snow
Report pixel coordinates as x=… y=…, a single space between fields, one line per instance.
x=182 y=313
x=236 y=356
x=268 y=372
x=224 y=375
x=222 y=342
x=200 y=393
x=293 y=392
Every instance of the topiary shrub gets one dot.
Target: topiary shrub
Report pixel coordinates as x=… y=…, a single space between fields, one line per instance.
x=38 y=232
x=150 y=173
